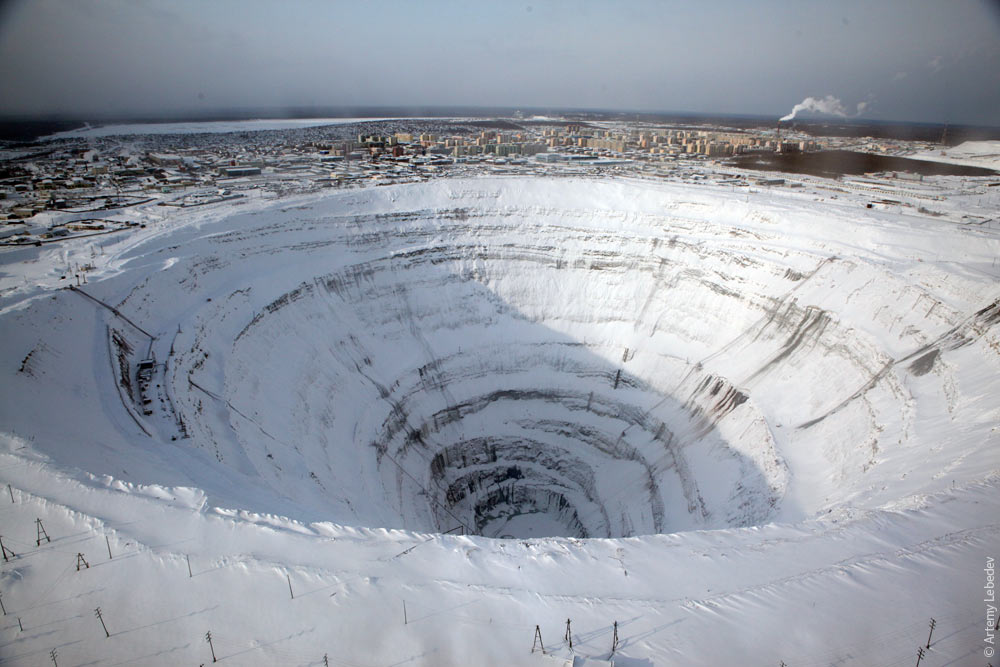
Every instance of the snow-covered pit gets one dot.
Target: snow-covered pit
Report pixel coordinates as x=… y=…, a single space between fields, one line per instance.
x=527 y=358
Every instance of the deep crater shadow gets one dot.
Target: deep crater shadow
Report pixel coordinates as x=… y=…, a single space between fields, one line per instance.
x=474 y=415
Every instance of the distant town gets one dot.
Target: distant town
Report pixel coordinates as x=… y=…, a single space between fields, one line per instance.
x=97 y=176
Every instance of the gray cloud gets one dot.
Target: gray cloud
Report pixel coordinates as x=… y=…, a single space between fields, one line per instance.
x=118 y=56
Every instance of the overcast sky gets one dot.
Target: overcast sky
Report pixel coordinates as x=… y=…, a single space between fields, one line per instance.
x=920 y=60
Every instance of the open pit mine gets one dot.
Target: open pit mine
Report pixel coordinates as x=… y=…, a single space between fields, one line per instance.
x=513 y=401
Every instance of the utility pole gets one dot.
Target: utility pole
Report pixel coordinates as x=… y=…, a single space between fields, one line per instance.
x=614 y=640
x=80 y=560
x=189 y=565
x=208 y=638
x=100 y=617
x=933 y=623
x=289 y=578
x=11 y=492
x=1 y=605
x=538 y=641
x=54 y=655
x=40 y=533
x=108 y=542
x=920 y=655
x=6 y=551
x=569 y=636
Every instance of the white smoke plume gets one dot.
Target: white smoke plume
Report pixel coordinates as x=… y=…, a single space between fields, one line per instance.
x=828 y=105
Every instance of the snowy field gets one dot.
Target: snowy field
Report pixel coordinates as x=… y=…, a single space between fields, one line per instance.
x=970 y=153
x=406 y=425
x=215 y=126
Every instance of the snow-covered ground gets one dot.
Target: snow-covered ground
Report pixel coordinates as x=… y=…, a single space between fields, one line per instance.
x=747 y=427
x=970 y=153
x=198 y=127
